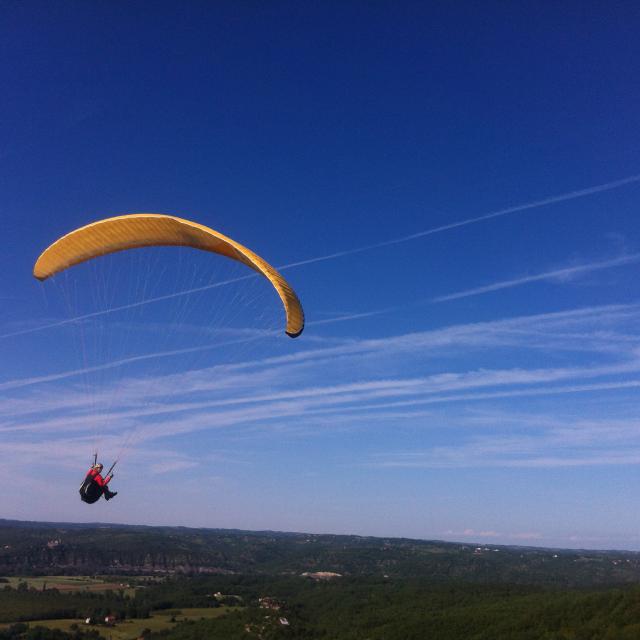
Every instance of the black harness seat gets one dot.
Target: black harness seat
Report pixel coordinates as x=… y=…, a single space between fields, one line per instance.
x=90 y=490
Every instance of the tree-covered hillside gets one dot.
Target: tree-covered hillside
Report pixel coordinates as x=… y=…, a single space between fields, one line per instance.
x=28 y=549
x=362 y=609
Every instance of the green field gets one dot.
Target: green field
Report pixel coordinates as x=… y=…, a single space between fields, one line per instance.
x=72 y=583
x=131 y=629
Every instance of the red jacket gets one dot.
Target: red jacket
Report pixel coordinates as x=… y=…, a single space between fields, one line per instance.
x=98 y=478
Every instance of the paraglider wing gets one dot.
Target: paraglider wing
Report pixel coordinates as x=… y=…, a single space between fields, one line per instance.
x=148 y=230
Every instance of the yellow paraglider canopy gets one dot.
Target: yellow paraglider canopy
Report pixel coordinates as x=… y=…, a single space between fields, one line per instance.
x=153 y=229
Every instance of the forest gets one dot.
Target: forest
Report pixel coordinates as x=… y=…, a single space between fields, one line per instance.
x=46 y=548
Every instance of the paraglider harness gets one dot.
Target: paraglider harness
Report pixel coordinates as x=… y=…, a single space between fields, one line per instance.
x=90 y=490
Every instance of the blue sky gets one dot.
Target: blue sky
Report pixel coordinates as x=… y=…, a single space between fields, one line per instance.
x=453 y=192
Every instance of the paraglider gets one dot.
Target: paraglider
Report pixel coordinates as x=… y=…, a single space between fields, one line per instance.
x=95 y=486
x=134 y=231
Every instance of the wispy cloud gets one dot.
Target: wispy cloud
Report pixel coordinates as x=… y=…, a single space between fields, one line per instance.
x=536 y=331
x=529 y=441
x=398 y=380
x=113 y=364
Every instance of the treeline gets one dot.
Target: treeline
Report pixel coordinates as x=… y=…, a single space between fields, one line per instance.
x=75 y=550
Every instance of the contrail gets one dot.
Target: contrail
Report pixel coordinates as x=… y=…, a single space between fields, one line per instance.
x=352 y=316
x=113 y=364
x=124 y=307
x=557 y=273
x=571 y=195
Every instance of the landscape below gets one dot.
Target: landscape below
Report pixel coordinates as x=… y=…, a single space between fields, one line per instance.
x=177 y=583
